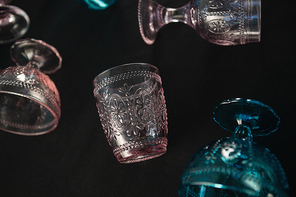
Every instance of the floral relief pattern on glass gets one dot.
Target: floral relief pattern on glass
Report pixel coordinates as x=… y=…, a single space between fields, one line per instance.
x=130 y=112
x=218 y=26
x=216 y=4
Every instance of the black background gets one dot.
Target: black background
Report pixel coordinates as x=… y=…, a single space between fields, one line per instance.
x=76 y=160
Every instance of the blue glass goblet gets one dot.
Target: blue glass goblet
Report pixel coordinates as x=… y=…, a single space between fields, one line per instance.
x=237 y=166
x=97 y=4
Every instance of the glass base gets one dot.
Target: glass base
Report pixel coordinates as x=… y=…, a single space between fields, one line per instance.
x=14 y=23
x=141 y=154
x=36 y=54
x=148 y=24
x=260 y=118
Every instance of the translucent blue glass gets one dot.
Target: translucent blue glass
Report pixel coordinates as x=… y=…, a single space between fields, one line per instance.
x=97 y=4
x=237 y=166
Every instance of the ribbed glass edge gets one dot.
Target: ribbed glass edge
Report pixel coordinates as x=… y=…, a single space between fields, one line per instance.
x=123 y=72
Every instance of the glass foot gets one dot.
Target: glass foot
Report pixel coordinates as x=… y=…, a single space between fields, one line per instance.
x=260 y=118
x=14 y=23
x=149 y=25
x=37 y=54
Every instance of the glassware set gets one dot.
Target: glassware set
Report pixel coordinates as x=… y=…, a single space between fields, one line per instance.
x=131 y=103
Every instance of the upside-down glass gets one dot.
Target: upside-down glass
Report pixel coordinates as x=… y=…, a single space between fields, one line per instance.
x=29 y=100
x=237 y=166
x=132 y=110
x=222 y=22
x=97 y=4
x=14 y=22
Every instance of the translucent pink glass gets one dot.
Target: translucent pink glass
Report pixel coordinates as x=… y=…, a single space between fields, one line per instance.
x=222 y=22
x=5 y=2
x=14 y=22
x=29 y=100
x=132 y=109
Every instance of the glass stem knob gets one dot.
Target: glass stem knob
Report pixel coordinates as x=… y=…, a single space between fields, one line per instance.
x=243 y=132
x=33 y=64
x=181 y=14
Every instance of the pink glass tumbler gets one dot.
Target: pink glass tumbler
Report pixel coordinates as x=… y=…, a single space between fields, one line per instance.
x=132 y=110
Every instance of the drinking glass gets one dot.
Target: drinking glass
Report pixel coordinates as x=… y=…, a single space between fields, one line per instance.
x=236 y=165
x=97 y=4
x=132 y=110
x=29 y=100
x=14 y=22
x=222 y=22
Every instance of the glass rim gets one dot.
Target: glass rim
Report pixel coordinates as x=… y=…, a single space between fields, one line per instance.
x=101 y=76
x=55 y=114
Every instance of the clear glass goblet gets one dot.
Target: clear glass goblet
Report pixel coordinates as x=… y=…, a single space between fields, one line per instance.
x=97 y=4
x=222 y=22
x=236 y=165
x=29 y=100
x=14 y=22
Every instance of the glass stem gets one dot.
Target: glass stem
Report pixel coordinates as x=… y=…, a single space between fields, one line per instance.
x=181 y=14
x=33 y=64
x=243 y=132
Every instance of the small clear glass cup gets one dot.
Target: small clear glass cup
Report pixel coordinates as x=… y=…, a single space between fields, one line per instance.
x=222 y=22
x=29 y=100
x=97 y=4
x=236 y=165
x=14 y=22
x=132 y=110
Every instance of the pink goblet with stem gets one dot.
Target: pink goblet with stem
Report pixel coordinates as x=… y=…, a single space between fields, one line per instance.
x=222 y=22
x=29 y=100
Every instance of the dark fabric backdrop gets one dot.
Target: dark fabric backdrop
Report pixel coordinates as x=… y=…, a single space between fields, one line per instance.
x=76 y=160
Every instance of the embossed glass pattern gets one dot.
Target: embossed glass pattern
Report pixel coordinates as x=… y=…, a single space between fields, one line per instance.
x=222 y=22
x=14 y=22
x=132 y=110
x=236 y=165
x=29 y=100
